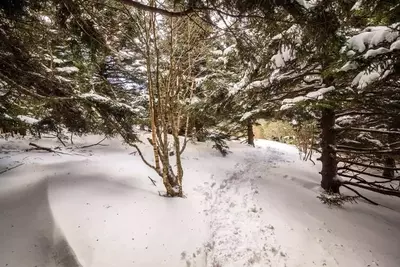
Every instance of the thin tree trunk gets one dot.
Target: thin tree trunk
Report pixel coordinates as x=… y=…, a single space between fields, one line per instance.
x=153 y=117
x=250 y=133
x=328 y=156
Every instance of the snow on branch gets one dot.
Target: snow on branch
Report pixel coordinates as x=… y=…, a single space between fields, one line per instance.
x=316 y=95
x=68 y=70
x=110 y=102
x=249 y=114
x=27 y=120
x=372 y=36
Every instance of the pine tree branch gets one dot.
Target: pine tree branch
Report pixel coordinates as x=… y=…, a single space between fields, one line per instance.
x=369 y=130
x=366 y=173
x=366 y=152
x=368 y=166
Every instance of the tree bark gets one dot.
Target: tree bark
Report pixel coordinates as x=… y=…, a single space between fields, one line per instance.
x=250 y=133
x=200 y=135
x=328 y=155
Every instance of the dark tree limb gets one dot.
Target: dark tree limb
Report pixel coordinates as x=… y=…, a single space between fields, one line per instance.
x=369 y=130
x=374 y=189
x=61 y=141
x=144 y=160
x=366 y=152
x=358 y=194
x=366 y=173
x=369 y=166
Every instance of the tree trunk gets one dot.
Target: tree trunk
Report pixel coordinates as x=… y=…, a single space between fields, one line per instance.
x=200 y=134
x=250 y=134
x=328 y=155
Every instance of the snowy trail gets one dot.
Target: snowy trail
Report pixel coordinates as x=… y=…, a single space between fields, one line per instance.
x=256 y=207
x=238 y=235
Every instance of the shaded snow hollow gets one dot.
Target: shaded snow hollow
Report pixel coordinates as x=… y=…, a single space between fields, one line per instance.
x=256 y=207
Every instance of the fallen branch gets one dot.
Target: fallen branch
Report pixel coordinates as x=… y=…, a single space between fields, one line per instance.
x=37 y=147
x=97 y=144
x=11 y=168
x=48 y=149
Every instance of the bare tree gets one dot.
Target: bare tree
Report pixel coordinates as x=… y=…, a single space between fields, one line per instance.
x=173 y=44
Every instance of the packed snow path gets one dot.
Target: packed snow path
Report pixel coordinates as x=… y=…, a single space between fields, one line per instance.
x=238 y=235
x=255 y=207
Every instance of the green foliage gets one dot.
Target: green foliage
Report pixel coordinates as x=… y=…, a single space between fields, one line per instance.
x=220 y=143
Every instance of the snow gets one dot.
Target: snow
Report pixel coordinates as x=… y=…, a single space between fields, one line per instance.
x=68 y=70
x=376 y=52
x=357 y=5
x=395 y=45
x=258 y=84
x=195 y=100
x=303 y=3
x=249 y=114
x=112 y=103
x=372 y=36
x=45 y=19
x=284 y=55
x=347 y=120
x=7 y=116
x=27 y=119
x=364 y=78
x=349 y=66
x=316 y=95
x=256 y=207
x=229 y=50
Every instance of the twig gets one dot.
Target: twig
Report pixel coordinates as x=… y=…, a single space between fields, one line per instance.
x=358 y=194
x=9 y=169
x=97 y=144
x=153 y=181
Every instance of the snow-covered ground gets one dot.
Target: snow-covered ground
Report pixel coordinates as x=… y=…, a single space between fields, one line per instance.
x=255 y=207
